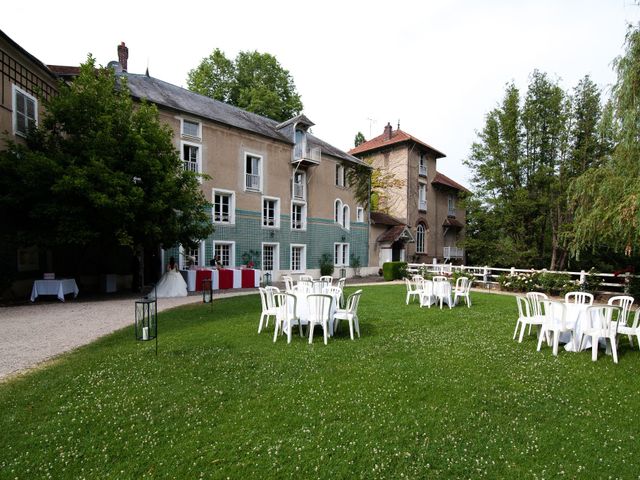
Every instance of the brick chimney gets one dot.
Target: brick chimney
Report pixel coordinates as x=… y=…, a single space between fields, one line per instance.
x=123 y=56
x=387 y=131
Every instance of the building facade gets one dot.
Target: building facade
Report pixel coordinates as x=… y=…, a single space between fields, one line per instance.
x=280 y=196
x=423 y=220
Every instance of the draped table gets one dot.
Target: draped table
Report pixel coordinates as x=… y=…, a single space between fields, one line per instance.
x=226 y=278
x=58 y=287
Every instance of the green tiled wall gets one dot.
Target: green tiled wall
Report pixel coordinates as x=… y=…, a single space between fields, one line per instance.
x=321 y=234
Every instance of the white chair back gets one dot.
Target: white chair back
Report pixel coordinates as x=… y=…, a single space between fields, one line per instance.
x=263 y=299
x=319 y=307
x=326 y=281
x=524 y=310
x=536 y=299
x=288 y=283
x=352 y=302
x=269 y=293
x=305 y=278
x=605 y=317
x=341 y=282
x=305 y=286
x=461 y=284
x=580 y=298
x=624 y=302
x=439 y=278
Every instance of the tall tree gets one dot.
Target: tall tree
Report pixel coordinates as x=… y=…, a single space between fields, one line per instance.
x=99 y=170
x=359 y=140
x=607 y=197
x=254 y=81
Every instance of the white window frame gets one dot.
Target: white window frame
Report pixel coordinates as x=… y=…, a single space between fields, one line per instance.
x=198 y=160
x=15 y=90
x=182 y=254
x=276 y=256
x=421 y=234
x=422 y=186
x=337 y=211
x=303 y=257
x=359 y=214
x=340 y=175
x=232 y=251
x=346 y=217
x=232 y=206
x=276 y=213
x=259 y=174
x=303 y=216
x=341 y=254
x=422 y=165
x=303 y=176
x=182 y=132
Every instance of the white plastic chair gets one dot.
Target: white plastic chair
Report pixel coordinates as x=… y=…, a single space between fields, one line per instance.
x=305 y=286
x=326 y=280
x=463 y=287
x=554 y=323
x=305 y=278
x=581 y=298
x=349 y=313
x=286 y=316
x=625 y=303
x=537 y=310
x=525 y=317
x=268 y=308
x=426 y=296
x=440 y=278
x=319 y=313
x=634 y=329
x=413 y=290
x=288 y=283
x=340 y=284
x=604 y=324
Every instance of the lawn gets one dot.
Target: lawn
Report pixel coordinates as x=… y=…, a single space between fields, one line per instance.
x=425 y=393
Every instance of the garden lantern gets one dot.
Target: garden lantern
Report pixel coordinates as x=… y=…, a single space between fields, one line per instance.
x=146 y=320
x=207 y=290
x=267 y=279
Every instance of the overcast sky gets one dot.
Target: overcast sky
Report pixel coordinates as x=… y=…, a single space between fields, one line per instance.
x=437 y=66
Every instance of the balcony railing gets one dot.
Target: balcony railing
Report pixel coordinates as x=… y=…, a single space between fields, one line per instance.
x=306 y=154
x=253 y=181
x=422 y=205
x=298 y=191
x=422 y=170
x=191 y=166
x=453 y=252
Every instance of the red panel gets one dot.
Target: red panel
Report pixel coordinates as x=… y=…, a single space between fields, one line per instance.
x=248 y=278
x=201 y=275
x=225 y=278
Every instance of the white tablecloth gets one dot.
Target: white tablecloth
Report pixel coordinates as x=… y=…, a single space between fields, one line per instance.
x=58 y=287
x=189 y=277
x=302 y=307
x=577 y=316
x=442 y=290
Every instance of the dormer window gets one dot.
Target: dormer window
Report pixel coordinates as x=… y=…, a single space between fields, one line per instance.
x=302 y=151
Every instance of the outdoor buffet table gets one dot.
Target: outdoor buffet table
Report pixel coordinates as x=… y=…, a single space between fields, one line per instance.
x=226 y=278
x=59 y=287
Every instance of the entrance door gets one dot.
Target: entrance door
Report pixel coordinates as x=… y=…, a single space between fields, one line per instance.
x=397 y=251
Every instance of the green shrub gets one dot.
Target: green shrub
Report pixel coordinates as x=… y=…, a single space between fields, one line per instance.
x=394 y=270
x=458 y=274
x=591 y=282
x=326 y=265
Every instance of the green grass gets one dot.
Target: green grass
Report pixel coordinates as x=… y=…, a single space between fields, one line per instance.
x=424 y=393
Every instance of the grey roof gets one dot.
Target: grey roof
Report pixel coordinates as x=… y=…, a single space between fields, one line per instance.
x=178 y=98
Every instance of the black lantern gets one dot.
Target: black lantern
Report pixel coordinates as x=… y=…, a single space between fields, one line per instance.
x=267 y=279
x=207 y=290
x=146 y=321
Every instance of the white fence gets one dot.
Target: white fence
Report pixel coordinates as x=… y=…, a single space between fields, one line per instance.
x=488 y=276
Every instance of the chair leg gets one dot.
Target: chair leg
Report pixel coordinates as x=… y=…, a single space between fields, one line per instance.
x=355 y=319
x=631 y=341
x=275 y=332
x=515 y=332
x=351 y=327
x=556 y=334
x=614 y=349
x=543 y=332
x=311 y=325
x=522 y=329
x=260 y=324
x=289 y=332
x=325 y=327
x=300 y=327
x=594 y=348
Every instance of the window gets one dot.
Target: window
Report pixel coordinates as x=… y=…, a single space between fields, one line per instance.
x=270 y=212
x=191 y=157
x=298 y=258
x=25 y=112
x=190 y=129
x=420 y=236
x=422 y=196
x=422 y=165
x=341 y=254
x=346 y=217
x=223 y=206
x=337 y=211
x=298 y=216
x=452 y=205
x=226 y=252
x=340 y=175
x=299 y=180
x=190 y=256
x=270 y=260
x=359 y=214
x=252 y=165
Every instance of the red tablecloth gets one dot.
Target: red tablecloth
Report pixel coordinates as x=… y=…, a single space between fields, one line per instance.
x=248 y=278
x=225 y=279
x=201 y=275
